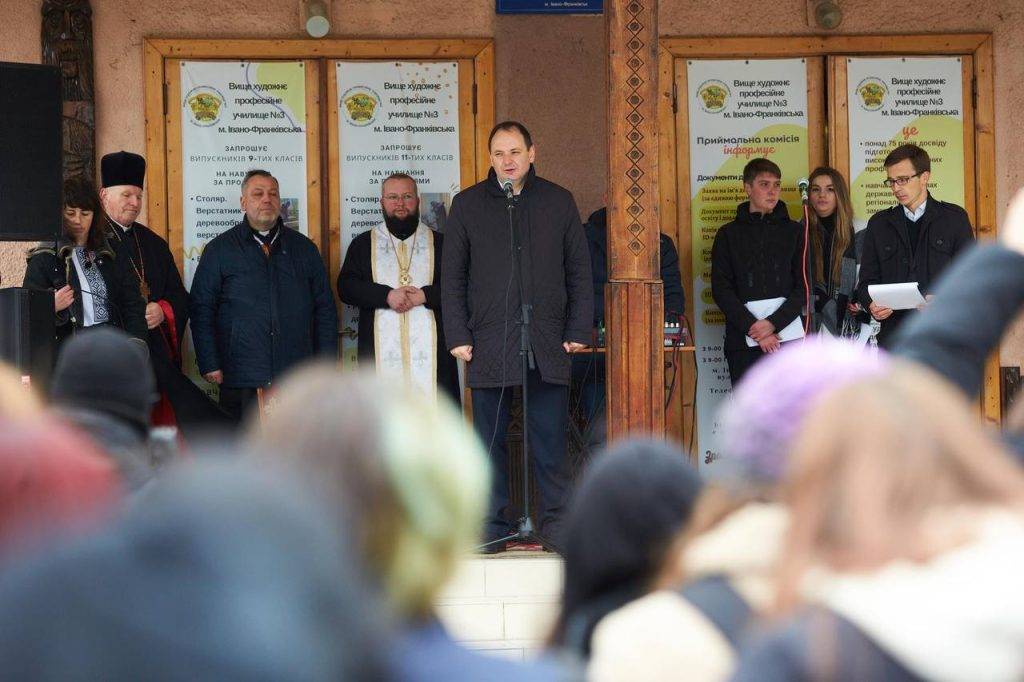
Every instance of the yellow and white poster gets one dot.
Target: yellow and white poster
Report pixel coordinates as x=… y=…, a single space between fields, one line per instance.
x=394 y=117
x=900 y=100
x=237 y=116
x=738 y=110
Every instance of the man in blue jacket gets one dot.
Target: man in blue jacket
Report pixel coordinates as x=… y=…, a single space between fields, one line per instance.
x=260 y=301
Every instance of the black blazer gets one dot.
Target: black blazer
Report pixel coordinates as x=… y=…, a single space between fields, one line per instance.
x=887 y=258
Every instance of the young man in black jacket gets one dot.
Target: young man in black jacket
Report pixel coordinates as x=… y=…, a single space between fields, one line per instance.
x=911 y=242
x=757 y=256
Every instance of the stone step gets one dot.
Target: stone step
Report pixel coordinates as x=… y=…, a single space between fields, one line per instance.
x=504 y=604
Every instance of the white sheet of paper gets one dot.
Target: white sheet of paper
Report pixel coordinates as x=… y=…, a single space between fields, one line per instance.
x=899 y=296
x=765 y=307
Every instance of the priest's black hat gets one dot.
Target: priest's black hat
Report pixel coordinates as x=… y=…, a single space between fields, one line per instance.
x=122 y=168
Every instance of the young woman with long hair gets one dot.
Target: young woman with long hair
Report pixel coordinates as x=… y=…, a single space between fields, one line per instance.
x=835 y=252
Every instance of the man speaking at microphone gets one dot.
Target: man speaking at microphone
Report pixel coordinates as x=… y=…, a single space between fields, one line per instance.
x=515 y=212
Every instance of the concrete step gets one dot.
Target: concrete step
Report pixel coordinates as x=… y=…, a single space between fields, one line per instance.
x=503 y=604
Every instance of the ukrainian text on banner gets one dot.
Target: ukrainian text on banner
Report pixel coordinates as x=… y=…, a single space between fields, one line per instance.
x=738 y=110
x=898 y=100
x=237 y=116
x=394 y=117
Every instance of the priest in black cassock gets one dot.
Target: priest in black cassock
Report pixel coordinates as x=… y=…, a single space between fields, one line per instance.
x=390 y=273
x=150 y=263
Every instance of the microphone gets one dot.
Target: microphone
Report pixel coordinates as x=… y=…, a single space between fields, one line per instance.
x=802 y=184
x=507 y=186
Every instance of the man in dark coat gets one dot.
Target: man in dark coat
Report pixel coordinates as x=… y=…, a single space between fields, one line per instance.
x=596 y=230
x=757 y=256
x=588 y=369
x=373 y=279
x=150 y=264
x=482 y=297
x=911 y=242
x=261 y=301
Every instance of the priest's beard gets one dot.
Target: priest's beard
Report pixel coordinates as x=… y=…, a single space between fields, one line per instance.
x=402 y=228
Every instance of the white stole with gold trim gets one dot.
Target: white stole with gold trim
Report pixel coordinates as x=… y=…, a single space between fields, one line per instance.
x=405 y=345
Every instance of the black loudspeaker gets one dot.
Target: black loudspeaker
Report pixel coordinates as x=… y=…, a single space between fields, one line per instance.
x=30 y=152
x=27 y=333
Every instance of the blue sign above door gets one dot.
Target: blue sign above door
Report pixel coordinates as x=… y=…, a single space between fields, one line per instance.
x=550 y=6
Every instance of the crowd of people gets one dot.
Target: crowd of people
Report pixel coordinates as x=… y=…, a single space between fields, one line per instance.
x=860 y=523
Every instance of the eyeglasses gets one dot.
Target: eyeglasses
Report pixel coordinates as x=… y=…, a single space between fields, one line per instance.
x=900 y=181
x=399 y=197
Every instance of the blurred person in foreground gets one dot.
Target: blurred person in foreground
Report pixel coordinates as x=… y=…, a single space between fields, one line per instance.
x=53 y=484
x=903 y=557
x=410 y=479
x=629 y=505
x=222 y=575
x=975 y=302
x=721 y=575
x=103 y=385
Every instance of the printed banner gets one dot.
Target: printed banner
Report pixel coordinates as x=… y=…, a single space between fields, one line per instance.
x=738 y=110
x=394 y=117
x=237 y=116
x=898 y=100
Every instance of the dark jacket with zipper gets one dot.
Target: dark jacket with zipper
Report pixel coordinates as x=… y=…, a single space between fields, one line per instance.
x=757 y=256
x=254 y=317
x=52 y=269
x=480 y=290
x=943 y=231
x=596 y=229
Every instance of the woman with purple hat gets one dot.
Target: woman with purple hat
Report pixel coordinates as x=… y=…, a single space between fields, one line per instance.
x=722 y=574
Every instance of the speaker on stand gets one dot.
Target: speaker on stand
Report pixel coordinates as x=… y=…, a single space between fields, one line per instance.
x=30 y=206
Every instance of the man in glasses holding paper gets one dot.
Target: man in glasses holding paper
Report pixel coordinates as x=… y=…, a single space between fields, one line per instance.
x=911 y=242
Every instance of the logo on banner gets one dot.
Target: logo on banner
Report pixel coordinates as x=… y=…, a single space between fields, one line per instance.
x=872 y=92
x=361 y=105
x=714 y=95
x=205 y=104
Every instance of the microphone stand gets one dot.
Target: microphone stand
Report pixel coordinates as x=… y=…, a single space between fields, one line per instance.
x=524 y=533
x=808 y=273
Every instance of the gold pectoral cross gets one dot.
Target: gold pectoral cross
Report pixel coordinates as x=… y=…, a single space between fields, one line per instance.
x=404 y=278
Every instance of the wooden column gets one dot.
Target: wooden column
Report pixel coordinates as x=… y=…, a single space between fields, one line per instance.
x=634 y=303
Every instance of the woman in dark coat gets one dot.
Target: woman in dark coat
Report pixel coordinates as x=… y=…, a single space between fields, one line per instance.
x=87 y=279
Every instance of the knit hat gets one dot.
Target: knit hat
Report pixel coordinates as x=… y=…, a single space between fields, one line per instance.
x=104 y=369
x=629 y=505
x=122 y=168
x=766 y=411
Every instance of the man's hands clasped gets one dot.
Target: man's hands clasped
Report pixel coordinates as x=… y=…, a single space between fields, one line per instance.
x=406 y=298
